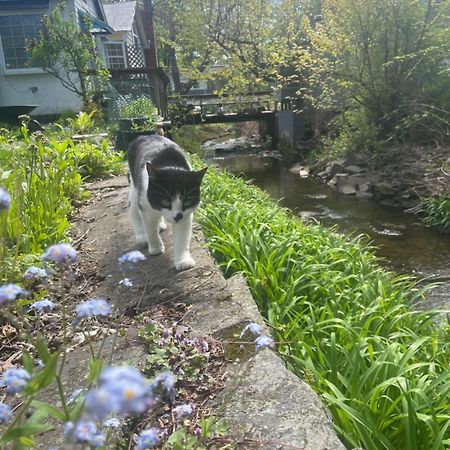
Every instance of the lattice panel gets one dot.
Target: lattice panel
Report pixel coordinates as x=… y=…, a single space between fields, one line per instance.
x=135 y=56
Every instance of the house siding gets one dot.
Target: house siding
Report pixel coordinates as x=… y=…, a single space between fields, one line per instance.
x=40 y=88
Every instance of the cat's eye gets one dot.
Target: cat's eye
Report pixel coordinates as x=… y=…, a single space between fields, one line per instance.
x=166 y=203
x=188 y=203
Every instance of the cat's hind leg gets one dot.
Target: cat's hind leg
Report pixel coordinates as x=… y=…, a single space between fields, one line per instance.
x=135 y=216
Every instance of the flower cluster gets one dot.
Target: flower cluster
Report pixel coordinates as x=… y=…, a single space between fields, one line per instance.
x=254 y=329
x=262 y=340
x=15 y=380
x=11 y=292
x=5 y=413
x=84 y=432
x=122 y=391
x=34 y=273
x=93 y=307
x=132 y=257
x=182 y=411
x=61 y=254
x=147 y=439
x=5 y=200
x=43 y=305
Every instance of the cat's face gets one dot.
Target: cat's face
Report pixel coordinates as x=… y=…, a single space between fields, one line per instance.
x=176 y=193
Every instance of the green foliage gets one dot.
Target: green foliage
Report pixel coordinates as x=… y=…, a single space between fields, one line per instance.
x=167 y=352
x=381 y=366
x=82 y=122
x=383 y=58
x=351 y=132
x=44 y=177
x=437 y=212
x=140 y=108
x=179 y=111
x=67 y=51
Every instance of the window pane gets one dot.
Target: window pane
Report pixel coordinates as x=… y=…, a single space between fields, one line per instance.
x=115 y=58
x=15 y=31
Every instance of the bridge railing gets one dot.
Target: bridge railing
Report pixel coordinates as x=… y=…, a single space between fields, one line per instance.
x=213 y=104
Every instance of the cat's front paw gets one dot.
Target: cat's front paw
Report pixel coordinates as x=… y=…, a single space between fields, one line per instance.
x=153 y=251
x=185 y=264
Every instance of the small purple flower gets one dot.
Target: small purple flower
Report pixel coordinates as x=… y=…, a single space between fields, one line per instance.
x=10 y=292
x=43 y=305
x=98 y=440
x=112 y=422
x=183 y=411
x=100 y=403
x=60 y=254
x=202 y=345
x=147 y=439
x=166 y=379
x=5 y=200
x=15 y=380
x=197 y=432
x=126 y=282
x=122 y=390
x=93 y=307
x=263 y=341
x=132 y=257
x=253 y=327
x=34 y=273
x=5 y=413
x=80 y=432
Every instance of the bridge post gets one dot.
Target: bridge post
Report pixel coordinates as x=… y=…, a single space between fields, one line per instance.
x=268 y=127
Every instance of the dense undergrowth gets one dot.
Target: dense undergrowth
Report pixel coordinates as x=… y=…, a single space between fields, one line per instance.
x=44 y=173
x=344 y=324
x=437 y=212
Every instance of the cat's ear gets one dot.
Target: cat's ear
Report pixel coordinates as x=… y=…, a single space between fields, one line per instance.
x=201 y=173
x=150 y=169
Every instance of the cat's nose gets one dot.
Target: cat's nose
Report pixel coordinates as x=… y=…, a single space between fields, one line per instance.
x=178 y=217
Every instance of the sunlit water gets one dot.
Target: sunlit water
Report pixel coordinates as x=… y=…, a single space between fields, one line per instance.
x=405 y=245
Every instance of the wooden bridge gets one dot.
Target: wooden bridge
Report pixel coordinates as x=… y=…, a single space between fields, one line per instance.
x=212 y=108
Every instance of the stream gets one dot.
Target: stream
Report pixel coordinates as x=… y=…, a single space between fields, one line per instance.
x=405 y=246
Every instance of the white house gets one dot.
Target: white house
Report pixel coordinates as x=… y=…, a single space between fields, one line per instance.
x=120 y=39
x=21 y=84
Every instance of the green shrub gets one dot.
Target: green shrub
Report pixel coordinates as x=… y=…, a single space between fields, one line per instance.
x=437 y=212
x=343 y=323
x=141 y=107
x=44 y=176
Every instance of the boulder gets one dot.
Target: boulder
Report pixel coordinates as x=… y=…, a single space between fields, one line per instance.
x=336 y=167
x=347 y=190
x=354 y=169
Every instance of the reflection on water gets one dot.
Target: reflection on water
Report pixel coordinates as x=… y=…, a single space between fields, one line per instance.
x=407 y=246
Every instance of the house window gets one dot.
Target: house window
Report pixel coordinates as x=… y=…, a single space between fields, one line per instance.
x=115 y=55
x=15 y=32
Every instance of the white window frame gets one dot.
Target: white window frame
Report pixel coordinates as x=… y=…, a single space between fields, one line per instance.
x=20 y=70
x=106 y=56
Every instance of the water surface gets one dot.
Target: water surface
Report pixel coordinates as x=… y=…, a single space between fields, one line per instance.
x=405 y=245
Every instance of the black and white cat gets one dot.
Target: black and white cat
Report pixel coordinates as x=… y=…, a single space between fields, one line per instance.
x=163 y=187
